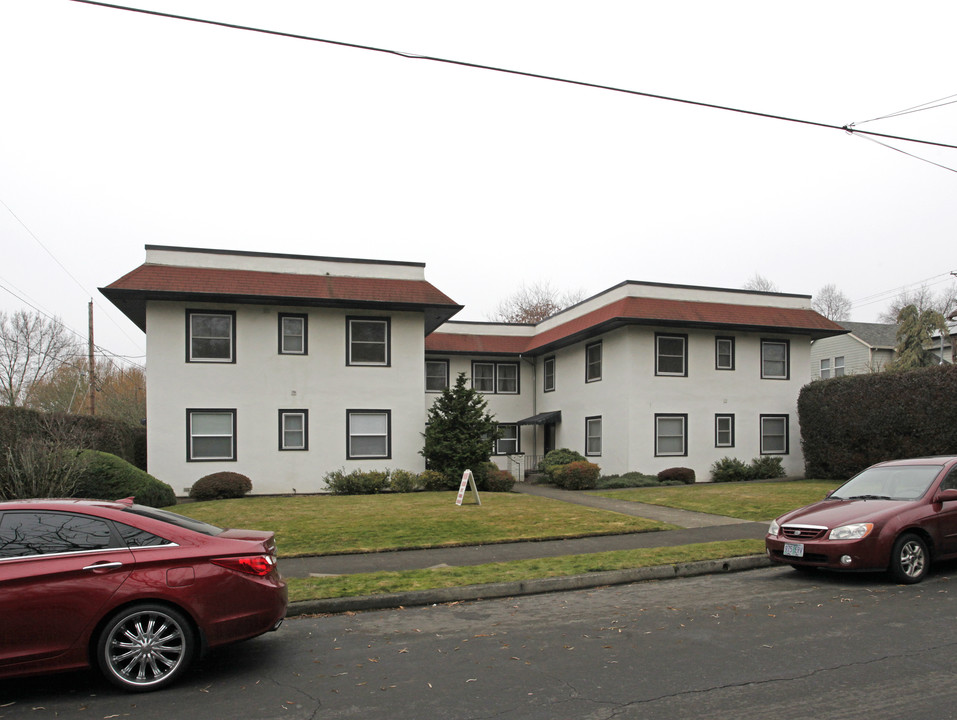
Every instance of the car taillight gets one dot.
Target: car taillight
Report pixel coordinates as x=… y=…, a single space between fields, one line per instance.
x=259 y=565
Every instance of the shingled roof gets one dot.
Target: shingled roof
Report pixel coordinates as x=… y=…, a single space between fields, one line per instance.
x=203 y=284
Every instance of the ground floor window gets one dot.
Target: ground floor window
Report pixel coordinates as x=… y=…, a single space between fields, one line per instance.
x=774 y=434
x=507 y=443
x=293 y=429
x=671 y=435
x=210 y=435
x=369 y=434
x=724 y=430
x=593 y=436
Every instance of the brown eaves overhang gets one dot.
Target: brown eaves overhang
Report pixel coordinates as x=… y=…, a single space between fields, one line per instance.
x=252 y=287
x=643 y=311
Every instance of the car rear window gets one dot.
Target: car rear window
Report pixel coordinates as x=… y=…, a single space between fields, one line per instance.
x=173 y=519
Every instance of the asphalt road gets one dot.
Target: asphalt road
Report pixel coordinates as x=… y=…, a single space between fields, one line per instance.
x=768 y=643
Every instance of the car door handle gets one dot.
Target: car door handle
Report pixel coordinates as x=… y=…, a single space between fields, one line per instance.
x=104 y=566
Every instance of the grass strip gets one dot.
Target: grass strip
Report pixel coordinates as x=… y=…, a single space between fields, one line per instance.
x=756 y=501
x=391 y=582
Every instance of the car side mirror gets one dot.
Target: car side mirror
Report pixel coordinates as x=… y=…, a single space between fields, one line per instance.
x=946 y=495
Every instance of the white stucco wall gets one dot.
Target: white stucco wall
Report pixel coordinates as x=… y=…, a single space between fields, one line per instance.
x=261 y=382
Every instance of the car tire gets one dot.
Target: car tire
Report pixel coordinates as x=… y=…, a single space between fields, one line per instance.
x=145 y=647
x=910 y=559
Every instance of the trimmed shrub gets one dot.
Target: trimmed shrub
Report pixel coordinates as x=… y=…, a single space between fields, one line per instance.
x=500 y=481
x=561 y=456
x=580 y=475
x=220 y=486
x=677 y=474
x=731 y=470
x=767 y=467
x=403 y=481
x=108 y=477
x=434 y=481
x=357 y=482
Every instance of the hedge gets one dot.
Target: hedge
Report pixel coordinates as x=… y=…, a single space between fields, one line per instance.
x=851 y=422
x=108 y=477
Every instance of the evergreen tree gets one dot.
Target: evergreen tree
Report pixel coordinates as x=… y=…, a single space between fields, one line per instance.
x=915 y=329
x=460 y=434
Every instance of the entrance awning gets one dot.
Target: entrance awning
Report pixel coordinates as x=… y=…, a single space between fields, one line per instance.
x=548 y=418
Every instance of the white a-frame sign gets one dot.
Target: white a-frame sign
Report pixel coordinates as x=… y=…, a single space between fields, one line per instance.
x=467 y=480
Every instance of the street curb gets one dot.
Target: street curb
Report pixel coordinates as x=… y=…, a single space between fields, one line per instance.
x=389 y=601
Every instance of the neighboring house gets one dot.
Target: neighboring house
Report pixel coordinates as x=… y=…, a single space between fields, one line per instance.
x=865 y=348
x=286 y=367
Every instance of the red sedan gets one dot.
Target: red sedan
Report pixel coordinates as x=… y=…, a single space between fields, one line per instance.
x=897 y=516
x=134 y=591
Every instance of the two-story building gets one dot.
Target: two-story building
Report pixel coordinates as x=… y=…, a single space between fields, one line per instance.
x=287 y=367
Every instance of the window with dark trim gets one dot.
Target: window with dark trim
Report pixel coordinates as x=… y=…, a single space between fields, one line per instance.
x=368 y=434
x=368 y=341
x=548 y=374
x=671 y=355
x=293 y=429
x=436 y=375
x=508 y=440
x=293 y=338
x=671 y=435
x=490 y=377
x=210 y=435
x=724 y=430
x=774 y=434
x=593 y=362
x=593 y=435
x=211 y=336
x=724 y=353
x=775 y=359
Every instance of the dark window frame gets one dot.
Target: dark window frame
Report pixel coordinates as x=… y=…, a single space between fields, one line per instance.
x=684 y=434
x=589 y=363
x=787 y=433
x=548 y=374
x=717 y=430
x=305 y=333
x=496 y=378
x=283 y=413
x=659 y=336
x=717 y=353
x=387 y=341
x=189 y=434
x=517 y=440
x=765 y=342
x=589 y=452
x=388 y=433
x=445 y=382
x=231 y=314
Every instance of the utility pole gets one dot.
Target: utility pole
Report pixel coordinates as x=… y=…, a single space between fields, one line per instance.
x=92 y=367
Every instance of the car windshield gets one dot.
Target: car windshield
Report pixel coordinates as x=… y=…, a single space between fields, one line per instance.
x=901 y=482
x=174 y=519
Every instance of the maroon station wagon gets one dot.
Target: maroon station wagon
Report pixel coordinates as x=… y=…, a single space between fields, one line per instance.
x=895 y=516
x=133 y=591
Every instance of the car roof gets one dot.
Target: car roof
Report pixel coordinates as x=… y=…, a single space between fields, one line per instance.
x=935 y=460
x=63 y=504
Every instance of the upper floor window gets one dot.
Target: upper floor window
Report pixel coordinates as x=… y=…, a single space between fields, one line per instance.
x=593 y=435
x=436 y=375
x=839 y=366
x=774 y=434
x=593 y=362
x=211 y=435
x=671 y=435
x=292 y=334
x=671 y=355
x=724 y=353
x=490 y=377
x=825 y=368
x=368 y=341
x=775 y=356
x=211 y=336
x=507 y=443
x=369 y=434
x=293 y=429
x=548 y=374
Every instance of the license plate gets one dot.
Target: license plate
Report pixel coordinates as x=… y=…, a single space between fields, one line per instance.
x=794 y=549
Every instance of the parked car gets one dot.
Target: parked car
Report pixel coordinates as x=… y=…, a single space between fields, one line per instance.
x=896 y=516
x=131 y=590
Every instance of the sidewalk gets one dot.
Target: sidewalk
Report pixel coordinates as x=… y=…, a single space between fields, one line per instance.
x=696 y=528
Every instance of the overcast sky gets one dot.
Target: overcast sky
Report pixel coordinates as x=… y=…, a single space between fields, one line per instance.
x=120 y=129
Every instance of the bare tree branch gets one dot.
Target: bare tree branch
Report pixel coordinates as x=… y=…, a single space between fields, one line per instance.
x=31 y=348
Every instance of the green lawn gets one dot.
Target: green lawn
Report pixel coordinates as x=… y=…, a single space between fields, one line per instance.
x=748 y=501
x=336 y=524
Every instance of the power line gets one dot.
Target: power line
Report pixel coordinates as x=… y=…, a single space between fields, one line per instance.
x=849 y=128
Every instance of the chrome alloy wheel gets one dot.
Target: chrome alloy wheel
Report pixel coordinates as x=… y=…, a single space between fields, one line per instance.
x=145 y=647
x=913 y=558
